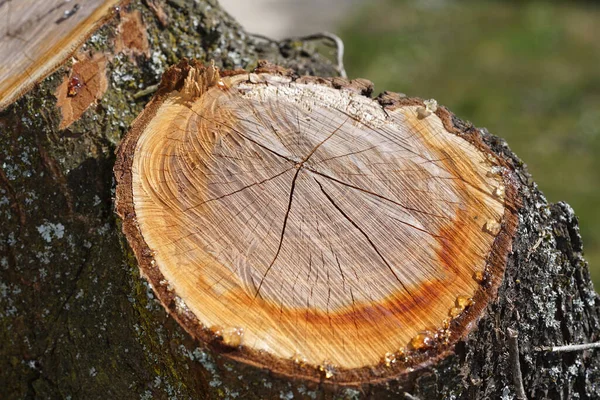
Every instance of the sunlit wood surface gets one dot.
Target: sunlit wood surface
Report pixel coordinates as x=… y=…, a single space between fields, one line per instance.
x=307 y=222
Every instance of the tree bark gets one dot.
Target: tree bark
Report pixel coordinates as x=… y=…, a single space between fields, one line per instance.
x=77 y=321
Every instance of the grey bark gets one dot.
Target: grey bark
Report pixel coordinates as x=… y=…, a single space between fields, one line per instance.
x=77 y=321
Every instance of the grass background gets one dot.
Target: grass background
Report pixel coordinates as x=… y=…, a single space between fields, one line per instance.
x=529 y=71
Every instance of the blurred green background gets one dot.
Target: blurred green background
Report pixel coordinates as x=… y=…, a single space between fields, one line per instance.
x=527 y=71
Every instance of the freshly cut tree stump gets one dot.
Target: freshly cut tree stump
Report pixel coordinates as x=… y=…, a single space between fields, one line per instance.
x=299 y=225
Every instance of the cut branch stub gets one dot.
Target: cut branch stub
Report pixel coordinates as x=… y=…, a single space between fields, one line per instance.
x=38 y=36
x=302 y=226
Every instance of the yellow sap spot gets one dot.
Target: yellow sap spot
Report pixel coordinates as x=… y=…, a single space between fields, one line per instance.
x=464 y=301
x=299 y=359
x=422 y=341
x=446 y=323
x=455 y=312
x=233 y=336
x=389 y=359
x=328 y=369
x=478 y=276
x=460 y=304
x=492 y=227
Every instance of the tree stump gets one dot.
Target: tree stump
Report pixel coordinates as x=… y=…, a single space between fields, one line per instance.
x=309 y=228
x=415 y=296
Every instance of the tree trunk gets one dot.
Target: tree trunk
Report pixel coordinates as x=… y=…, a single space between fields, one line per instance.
x=78 y=321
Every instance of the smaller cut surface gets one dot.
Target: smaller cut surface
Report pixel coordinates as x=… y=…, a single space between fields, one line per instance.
x=297 y=222
x=37 y=36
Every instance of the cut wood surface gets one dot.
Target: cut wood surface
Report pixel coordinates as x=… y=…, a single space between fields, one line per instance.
x=300 y=223
x=37 y=36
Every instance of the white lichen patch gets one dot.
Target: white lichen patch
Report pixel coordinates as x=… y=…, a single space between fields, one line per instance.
x=180 y=304
x=11 y=171
x=43 y=257
x=50 y=231
x=308 y=393
x=286 y=395
x=351 y=394
x=207 y=362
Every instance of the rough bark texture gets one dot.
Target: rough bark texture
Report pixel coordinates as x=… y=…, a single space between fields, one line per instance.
x=76 y=320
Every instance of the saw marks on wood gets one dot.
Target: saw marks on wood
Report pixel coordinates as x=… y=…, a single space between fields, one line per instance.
x=310 y=221
x=37 y=36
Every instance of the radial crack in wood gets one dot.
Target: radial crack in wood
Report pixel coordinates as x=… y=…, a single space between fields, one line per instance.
x=310 y=229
